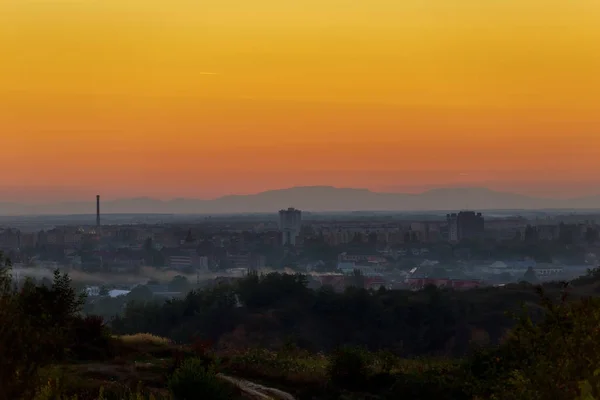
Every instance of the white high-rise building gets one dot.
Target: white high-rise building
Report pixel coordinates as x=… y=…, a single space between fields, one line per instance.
x=290 y=222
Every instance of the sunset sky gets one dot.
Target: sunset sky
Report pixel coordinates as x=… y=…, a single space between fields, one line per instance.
x=190 y=98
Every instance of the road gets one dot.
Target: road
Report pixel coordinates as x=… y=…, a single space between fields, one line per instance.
x=256 y=391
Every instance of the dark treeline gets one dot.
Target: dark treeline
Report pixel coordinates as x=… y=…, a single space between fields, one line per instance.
x=278 y=309
x=554 y=355
x=42 y=325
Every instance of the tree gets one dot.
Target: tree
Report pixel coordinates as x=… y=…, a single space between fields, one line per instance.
x=196 y=380
x=358 y=279
x=179 y=284
x=140 y=294
x=37 y=328
x=547 y=358
x=47 y=282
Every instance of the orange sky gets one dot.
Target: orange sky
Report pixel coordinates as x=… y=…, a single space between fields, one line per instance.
x=202 y=98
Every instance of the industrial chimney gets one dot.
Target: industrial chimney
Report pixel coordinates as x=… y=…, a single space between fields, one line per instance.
x=98 y=211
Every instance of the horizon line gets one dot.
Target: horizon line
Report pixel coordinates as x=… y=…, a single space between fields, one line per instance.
x=415 y=193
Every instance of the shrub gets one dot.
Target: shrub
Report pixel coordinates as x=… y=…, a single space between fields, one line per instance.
x=91 y=339
x=196 y=380
x=386 y=361
x=440 y=383
x=145 y=338
x=545 y=359
x=348 y=367
x=53 y=390
x=203 y=350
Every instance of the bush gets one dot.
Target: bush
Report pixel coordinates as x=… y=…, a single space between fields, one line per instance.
x=203 y=350
x=545 y=359
x=196 y=380
x=145 y=338
x=438 y=383
x=57 y=389
x=348 y=367
x=53 y=390
x=386 y=361
x=91 y=339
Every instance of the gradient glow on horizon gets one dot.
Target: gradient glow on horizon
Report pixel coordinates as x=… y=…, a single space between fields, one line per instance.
x=187 y=98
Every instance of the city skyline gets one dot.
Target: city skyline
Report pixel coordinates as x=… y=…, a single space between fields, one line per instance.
x=188 y=99
x=312 y=199
x=234 y=199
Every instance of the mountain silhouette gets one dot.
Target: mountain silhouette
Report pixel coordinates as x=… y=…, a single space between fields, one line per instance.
x=313 y=198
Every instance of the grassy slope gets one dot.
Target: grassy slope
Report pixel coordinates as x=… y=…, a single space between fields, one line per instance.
x=141 y=366
x=145 y=361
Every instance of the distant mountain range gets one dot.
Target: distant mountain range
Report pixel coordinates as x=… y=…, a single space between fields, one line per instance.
x=313 y=198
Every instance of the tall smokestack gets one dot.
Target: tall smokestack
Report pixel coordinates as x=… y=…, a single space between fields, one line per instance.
x=98 y=210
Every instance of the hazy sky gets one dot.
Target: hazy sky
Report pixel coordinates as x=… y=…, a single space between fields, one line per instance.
x=202 y=98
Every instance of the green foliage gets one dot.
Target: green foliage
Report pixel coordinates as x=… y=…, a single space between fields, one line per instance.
x=587 y=391
x=298 y=366
x=179 y=284
x=39 y=325
x=277 y=306
x=91 y=339
x=56 y=389
x=440 y=382
x=544 y=359
x=377 y=375
x=140 y=294
x=35 y=330
x=551 y=352
x=263 y=291
x=194 y=379
x=387 y=361
x=348 y=367
x=358 y=279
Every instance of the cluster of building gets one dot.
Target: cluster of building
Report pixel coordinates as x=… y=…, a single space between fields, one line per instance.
x=239 y=246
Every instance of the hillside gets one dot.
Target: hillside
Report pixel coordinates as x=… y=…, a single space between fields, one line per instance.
x=315 y=198
x=285 y=341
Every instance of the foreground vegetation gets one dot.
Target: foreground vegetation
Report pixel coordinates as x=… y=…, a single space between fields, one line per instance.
x=50 y=350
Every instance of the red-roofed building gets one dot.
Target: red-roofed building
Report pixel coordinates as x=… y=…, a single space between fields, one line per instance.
x=374 y=282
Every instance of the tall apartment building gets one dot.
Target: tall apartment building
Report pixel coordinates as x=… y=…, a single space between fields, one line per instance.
x=290 y=222
x=464 y=225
